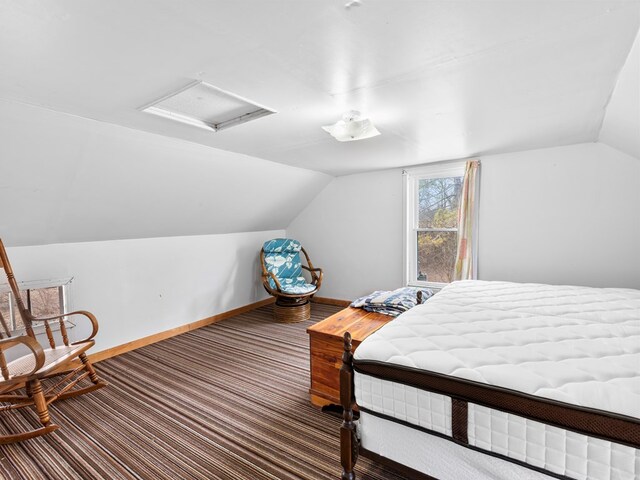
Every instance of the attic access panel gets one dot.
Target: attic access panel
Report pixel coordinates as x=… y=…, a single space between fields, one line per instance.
x=203 y=105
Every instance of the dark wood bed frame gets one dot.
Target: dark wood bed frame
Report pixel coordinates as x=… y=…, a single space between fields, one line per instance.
x=587 y=421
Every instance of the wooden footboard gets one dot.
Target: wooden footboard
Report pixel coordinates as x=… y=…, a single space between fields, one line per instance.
x=586 y=421
x=348 y=440
x=349 y=443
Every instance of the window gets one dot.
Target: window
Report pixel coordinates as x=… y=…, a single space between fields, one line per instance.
x=432 y=199
x=42 y=298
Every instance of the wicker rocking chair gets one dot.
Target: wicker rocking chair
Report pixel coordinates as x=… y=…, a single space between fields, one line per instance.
x=282 y=278
x=20 y=385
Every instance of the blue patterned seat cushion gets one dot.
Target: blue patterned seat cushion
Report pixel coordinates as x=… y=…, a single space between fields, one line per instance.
x=282 y=258
x=298 y=288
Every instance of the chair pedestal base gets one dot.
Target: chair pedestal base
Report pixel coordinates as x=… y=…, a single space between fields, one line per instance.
x=288 y=311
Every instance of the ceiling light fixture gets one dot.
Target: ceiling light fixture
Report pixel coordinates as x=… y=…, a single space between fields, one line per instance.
x=353 y=126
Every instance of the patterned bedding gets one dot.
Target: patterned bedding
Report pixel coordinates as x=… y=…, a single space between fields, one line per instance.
x=393 y=302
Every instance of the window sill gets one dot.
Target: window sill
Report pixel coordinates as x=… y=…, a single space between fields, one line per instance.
x=430 y=285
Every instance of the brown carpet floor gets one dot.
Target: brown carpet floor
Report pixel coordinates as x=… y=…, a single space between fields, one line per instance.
x=228 y=401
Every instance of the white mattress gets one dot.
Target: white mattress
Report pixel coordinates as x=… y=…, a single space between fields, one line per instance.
x=433 y=455
x=576 y=345
x=549 y=448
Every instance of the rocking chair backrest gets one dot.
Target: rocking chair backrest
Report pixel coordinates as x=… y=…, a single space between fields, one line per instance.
x=13 y=285
x=25 y=313
x=4 y=264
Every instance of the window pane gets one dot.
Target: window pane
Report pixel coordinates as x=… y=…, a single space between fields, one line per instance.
x=436 y=256
x=438 y=202
x=45 y=302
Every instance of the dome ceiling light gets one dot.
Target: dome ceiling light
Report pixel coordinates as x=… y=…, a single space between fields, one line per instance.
x=353 y=126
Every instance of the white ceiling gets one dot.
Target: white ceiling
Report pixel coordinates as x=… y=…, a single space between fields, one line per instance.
x=67 y=179
x=440 y=79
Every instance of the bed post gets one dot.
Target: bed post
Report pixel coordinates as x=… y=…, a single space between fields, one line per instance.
x=348 y=440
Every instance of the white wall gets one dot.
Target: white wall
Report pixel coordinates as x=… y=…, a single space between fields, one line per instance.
x=353 y=231
x=621 y=126
x=70 y=179
x=144 y=286
x=566 y=215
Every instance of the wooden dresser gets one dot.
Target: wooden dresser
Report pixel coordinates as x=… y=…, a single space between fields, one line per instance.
x=325 y=342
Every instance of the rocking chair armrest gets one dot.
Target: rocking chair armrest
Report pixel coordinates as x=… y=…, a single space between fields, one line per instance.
x=89 y=315
x=32 y=344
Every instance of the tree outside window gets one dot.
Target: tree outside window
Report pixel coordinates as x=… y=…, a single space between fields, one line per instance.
x=437 y=228
x=433 y=198
x=42 y=302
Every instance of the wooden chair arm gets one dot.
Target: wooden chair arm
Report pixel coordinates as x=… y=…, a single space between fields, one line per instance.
x=31 y=344
x=316 y=275
x=319 y=281
x=275 y=280
x=89 y=315
x=311 y=269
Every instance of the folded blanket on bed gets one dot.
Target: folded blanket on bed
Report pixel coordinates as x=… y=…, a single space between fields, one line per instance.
x=392 y=302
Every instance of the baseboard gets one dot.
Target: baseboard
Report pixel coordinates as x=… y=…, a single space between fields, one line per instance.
x=331 y=301
x=157 y=337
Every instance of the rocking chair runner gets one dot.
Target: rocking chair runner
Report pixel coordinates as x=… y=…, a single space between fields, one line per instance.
x=282 y=277
x=28 y=370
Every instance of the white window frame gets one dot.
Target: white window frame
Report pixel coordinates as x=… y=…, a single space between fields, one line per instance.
x=410 y=214
x=61 y=283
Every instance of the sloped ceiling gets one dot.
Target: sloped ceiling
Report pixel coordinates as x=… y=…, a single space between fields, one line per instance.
x=621 y=126
x=441 y=79
x=70 y=179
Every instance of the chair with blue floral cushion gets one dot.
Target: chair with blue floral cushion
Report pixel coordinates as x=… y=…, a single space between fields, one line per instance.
x=282 y=277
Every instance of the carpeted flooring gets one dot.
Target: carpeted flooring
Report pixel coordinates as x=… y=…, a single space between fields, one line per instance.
x=228 y=401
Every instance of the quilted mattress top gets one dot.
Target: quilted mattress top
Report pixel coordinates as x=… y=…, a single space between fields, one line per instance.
x=576 y=345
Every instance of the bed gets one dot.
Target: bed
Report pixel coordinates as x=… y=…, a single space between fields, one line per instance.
x=499 y=380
